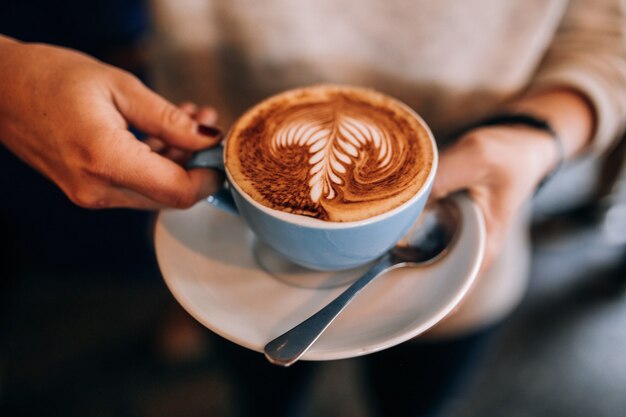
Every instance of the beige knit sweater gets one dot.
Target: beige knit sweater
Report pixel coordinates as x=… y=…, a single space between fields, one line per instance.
x=451 y=60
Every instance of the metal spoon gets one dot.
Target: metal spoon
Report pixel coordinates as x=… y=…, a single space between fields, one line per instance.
x=424 y=244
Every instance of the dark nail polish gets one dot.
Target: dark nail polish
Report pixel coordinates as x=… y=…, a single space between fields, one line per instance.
x=209 y=131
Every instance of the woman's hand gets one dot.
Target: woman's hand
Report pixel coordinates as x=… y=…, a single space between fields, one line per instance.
x=500 y=166
x=67 y=115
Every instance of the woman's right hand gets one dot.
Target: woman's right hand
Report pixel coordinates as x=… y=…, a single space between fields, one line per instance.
x=67 y=115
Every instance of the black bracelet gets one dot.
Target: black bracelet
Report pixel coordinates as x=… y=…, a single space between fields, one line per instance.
x=535 y=122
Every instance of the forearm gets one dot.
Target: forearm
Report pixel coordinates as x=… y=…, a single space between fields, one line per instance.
x=568 y=112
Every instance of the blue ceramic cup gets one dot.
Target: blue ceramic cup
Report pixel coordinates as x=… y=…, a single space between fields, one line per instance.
x=314 y=243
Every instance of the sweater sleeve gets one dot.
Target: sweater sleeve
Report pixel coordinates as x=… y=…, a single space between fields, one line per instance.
x=588 y=54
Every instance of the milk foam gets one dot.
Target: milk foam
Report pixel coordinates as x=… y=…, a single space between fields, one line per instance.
x=334 y=140
x=333 y=153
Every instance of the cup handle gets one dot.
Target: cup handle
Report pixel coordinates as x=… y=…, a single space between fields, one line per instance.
x=213 y=158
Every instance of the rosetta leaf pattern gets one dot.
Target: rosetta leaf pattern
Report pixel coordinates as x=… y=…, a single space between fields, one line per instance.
x=335 y=141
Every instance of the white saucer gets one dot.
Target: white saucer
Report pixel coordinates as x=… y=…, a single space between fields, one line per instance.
x=208 y=259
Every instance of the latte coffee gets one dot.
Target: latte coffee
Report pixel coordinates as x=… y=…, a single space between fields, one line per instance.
x=334 y=153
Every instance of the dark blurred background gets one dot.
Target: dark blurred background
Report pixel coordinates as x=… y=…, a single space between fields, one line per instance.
x=88 y=327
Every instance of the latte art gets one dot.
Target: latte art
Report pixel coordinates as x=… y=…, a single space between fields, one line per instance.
x=335 y=137
x=333 y=153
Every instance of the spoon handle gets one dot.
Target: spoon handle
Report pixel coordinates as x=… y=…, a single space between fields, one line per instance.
x=290 y=346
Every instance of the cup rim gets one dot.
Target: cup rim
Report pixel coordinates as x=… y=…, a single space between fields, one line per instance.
x=311 y=222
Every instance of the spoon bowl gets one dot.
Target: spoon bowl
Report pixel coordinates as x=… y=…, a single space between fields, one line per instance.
x=424 y=244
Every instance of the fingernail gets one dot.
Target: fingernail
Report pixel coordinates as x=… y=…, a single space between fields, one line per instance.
x=211 y=131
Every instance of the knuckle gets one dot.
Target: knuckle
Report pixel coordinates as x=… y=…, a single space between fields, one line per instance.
x=476 y=142
x=188 y=107
x=482 y=150
x=172 y=116
x=86 y=156
x=92 y=150
x=97 y=169
x=128 y=79
x=88 y=199
x=102 y=204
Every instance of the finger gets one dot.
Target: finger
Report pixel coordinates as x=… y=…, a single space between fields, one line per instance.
x=188 y=107
x=456 y=171
x=206 y=115
x=179 y=156
x=119 y=198
x=157 y=117
x=156 y=145
x=139 y=169
x=496 y=234
x=99 y=194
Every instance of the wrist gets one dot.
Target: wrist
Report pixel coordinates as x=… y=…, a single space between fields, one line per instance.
x=542 y=149
x=568 y=111
x=540 y=139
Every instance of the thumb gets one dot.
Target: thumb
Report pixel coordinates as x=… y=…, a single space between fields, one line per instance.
x=154 y=115
x=457 y=171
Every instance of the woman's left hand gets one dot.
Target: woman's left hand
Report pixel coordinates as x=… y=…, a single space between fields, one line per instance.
x=500 y=167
